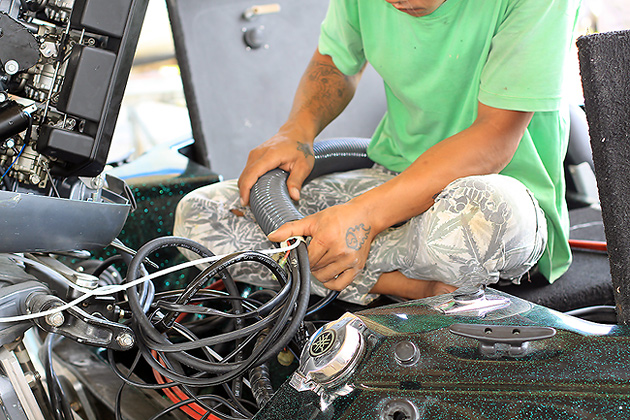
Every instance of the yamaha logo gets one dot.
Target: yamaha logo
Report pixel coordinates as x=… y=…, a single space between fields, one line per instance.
x=323 y=343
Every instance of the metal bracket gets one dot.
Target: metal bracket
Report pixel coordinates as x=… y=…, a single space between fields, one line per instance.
x=14 y=372
x=81 y=326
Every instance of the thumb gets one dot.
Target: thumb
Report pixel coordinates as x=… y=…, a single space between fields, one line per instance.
x=284 y=232
x=296 y=179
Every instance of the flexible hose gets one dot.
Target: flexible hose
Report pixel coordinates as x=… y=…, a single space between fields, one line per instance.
x=269 y=198
x=270 y=201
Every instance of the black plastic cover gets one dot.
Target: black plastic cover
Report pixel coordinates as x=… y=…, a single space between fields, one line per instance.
x=104 y=17
x=239 y=96
x=605 y=69
x=68 y=146
x=85 y=87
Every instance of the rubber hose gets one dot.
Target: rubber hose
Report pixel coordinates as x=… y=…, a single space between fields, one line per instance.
x=269 y=198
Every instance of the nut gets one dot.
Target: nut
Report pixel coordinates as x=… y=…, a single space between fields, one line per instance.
x=55 y=320
x=125 y=340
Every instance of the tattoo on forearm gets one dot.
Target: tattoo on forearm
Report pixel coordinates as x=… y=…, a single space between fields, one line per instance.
x=305 y=148
x=356 y=236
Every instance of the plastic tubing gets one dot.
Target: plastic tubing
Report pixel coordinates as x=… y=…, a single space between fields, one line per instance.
x=272 y=206
x=269 y=198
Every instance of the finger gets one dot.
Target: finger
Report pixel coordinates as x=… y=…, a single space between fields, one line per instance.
x=296 y=179
x=316 y=253
x=328 y=271
x=341 y=281
x=334 y=257
x=287 y=230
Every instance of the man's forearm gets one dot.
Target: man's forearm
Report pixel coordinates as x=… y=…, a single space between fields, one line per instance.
x=323 y=93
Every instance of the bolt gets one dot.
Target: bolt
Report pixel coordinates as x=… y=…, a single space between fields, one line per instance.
x=71 y=123
x=11 y=67
x=110 y=307
x=55 y=320
x=285 y=358
x=125 y=340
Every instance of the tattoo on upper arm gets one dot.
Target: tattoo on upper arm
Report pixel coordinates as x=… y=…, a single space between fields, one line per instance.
x=356 y=236
x=329 y=89
x=305 y=148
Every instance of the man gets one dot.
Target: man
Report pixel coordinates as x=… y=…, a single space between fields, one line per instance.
x=468 y=184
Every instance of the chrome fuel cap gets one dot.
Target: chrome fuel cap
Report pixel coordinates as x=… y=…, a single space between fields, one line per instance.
x=331 y=355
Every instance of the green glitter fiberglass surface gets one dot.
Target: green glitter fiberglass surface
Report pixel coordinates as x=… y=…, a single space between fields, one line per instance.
x=582 y=372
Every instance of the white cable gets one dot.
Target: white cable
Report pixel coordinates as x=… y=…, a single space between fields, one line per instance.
x=112 y=289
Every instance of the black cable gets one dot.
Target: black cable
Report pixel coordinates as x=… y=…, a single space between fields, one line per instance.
x=106 y=264
x=593 y=310
x=119 y=415
x=59 y=402
x=118 y=403
x=186 y=389
x=191 y=364
x=322 y=303
x=237 y=407
x=219 y=267
x=228 y=370
x=127 y=380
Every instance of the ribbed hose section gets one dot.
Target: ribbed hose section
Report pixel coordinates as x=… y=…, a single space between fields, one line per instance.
x=269 y=199
x=271 y=203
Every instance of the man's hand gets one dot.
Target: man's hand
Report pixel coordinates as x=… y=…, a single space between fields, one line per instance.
x=281 y=151
x=340 y=242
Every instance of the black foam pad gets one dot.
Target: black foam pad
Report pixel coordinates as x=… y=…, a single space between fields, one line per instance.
x=605 y=70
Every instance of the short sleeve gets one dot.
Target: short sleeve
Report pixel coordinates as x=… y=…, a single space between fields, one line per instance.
x=340 y=36
x=526 y=64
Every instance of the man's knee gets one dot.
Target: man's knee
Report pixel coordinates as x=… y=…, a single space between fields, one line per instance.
x=483 y=228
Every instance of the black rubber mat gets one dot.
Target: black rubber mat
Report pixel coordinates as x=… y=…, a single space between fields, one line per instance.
x=588 y=280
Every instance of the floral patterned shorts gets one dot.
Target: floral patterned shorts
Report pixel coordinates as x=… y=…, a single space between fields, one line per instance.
x=479 y=230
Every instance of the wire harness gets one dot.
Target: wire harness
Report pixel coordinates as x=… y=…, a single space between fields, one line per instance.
x=204 y=337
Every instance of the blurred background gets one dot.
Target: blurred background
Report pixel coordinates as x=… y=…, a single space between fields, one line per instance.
x=154 y=108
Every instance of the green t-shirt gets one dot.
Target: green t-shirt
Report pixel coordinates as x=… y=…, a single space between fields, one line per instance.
x=507 y=54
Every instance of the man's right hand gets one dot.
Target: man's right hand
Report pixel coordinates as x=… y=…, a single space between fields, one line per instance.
x=285 y=150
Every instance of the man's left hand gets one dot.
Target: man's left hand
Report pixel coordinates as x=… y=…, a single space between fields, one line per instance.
x=340 y=242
